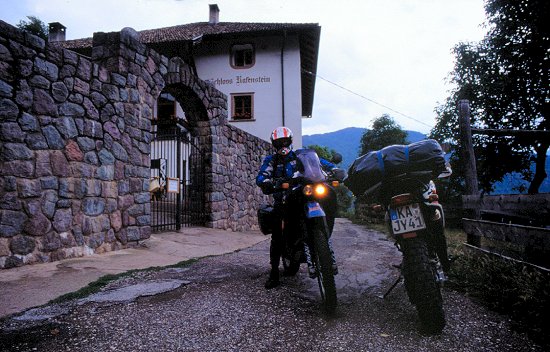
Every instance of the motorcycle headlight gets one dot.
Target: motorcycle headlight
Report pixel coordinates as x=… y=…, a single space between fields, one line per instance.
x=308 y=190
x=320 y=190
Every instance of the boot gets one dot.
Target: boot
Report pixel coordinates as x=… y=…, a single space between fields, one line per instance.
x=273 y=279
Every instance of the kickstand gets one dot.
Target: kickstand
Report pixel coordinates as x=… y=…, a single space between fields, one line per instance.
x=391 y=287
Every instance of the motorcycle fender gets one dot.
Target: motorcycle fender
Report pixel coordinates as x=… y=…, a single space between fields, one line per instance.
x=314 y=210
x=408 y=235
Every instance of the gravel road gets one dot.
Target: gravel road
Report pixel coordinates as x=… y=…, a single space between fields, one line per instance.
x=220 y=304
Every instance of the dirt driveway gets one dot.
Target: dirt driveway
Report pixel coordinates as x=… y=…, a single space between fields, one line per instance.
x=219 y=304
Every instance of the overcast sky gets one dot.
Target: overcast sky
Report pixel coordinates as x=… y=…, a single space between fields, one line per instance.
x=393 y=55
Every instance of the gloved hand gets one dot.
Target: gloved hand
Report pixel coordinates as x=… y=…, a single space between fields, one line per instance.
x=279 y=184
x=267 y=186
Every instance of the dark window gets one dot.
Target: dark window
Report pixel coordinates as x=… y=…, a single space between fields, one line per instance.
x=166 y=118
x=242 y=56
x=242 y=107
x=166 y=108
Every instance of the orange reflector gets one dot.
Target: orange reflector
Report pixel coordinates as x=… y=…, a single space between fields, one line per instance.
x=285 y=185
x=335 y=183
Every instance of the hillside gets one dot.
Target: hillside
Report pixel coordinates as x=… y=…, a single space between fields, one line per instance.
x=347 y=142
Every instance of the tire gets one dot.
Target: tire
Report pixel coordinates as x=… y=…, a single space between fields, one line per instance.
x=421 y=285
x=323 y=262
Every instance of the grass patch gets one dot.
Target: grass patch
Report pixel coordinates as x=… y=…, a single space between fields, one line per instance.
x=104 y=280
x=508 y=287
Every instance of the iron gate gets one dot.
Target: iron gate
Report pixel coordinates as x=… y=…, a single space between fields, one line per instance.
x=177 y=184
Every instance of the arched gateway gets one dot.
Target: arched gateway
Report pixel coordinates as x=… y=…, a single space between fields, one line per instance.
x=184 y=111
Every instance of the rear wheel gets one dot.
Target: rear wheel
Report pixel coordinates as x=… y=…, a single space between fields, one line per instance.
x=323 y=263
x=422 y=286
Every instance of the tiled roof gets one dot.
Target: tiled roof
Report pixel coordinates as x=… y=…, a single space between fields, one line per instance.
x=192 y=31
x=309 y=34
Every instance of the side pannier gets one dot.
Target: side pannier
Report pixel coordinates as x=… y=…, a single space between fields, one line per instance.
x=266 y=217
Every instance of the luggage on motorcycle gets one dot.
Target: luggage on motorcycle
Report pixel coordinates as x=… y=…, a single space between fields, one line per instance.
x=370 y=169
x=266 y=215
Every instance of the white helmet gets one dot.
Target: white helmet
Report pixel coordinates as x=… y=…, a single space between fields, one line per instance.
x=281 y=138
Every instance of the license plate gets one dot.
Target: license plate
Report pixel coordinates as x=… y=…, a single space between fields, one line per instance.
x=407 y=218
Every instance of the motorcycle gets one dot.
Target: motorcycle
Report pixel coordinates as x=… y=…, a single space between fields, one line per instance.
x=306 y=233
x=416 y=221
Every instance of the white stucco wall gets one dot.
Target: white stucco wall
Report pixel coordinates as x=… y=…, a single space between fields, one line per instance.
x=213 y=64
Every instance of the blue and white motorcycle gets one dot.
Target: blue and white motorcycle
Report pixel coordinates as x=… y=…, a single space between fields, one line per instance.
x=304 y=221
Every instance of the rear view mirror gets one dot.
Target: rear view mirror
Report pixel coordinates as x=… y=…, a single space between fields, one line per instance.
x=336 y=158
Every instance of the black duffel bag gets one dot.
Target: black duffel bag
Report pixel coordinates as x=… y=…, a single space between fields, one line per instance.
x=370 y=169
x=266 y=217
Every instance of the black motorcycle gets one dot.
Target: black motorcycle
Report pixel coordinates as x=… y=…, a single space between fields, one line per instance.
x=306 y=232
x=416 y=220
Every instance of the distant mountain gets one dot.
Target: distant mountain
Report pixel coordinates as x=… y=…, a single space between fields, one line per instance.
x=513 y=181
x=347 y=142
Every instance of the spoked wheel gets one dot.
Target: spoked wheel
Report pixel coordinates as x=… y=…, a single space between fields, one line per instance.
x=323 y=263
x=422 y=286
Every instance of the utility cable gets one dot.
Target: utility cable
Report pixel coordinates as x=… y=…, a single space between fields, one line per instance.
x=368 y=99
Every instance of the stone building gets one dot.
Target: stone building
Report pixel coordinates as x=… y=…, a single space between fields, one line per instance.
x=78 y=127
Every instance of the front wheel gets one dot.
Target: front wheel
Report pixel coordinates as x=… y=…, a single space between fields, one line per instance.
x=323 y=263
x=422 y=286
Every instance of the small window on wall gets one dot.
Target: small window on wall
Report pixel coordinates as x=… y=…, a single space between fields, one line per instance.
x=242 y=107
x=242 y=56
x=166 y=107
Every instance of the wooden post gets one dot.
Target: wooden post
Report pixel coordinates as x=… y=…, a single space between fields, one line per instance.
x=467 y=148
x=468 y=156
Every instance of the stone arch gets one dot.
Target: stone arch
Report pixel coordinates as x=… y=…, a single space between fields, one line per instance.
x=205 y=109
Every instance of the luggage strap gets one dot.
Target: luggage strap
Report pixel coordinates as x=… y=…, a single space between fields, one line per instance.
x=380 y=161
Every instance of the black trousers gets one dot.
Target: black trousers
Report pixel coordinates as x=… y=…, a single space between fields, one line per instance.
x=291 y=229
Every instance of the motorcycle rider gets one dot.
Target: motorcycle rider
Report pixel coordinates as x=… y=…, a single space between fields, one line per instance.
x=277 y=167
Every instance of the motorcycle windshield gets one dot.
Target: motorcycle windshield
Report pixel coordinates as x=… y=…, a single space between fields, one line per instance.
x=309 y=166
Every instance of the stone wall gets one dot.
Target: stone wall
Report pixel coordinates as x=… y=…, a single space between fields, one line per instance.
x=238 y=157
x=75 y=138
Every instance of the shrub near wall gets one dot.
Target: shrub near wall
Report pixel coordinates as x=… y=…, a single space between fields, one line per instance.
x=74 y=141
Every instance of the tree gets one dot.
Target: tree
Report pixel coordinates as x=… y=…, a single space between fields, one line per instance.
x=343 y=194
x=506 y=79
x=35 y=26
x=385 y=131
x=322 y=152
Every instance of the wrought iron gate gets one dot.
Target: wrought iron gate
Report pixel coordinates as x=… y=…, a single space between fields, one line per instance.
x=177 y=184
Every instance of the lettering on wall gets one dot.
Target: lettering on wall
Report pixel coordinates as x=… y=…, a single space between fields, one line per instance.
x=238 y=80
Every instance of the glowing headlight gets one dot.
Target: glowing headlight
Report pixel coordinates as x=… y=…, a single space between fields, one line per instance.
x=320 y=190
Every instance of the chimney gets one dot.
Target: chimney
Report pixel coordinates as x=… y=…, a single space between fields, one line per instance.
x=56 y=32
x=214 y=14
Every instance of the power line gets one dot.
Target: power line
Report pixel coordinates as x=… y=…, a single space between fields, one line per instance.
x=364 y=97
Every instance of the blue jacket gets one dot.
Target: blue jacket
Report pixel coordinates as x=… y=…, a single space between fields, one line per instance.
x=276 y=166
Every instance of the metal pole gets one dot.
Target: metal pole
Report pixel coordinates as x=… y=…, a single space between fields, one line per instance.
x=179 y=143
